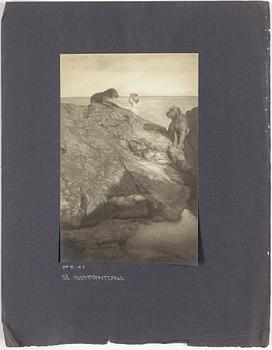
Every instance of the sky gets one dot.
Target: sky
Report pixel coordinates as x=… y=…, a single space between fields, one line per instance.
x=173 y=74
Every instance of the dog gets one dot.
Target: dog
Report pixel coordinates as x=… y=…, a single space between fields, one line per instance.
x=178 y=128
x=133 y=99
x=103 y=97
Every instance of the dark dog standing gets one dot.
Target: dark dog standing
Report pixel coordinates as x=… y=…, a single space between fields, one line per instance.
x=178 y=128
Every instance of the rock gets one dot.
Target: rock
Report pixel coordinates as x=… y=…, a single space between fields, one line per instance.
x=101 y=242
x=191 y=140
x=161 y=185
x=114 y=167
x=150 y=243
x=128 y=240
x=156 y=128
x=187 y=161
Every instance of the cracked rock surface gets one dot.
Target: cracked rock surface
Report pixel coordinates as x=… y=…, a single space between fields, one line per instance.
x=119 y=172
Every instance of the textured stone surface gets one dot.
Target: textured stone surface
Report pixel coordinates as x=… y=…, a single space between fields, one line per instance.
x=121 y=184
x=108 y=153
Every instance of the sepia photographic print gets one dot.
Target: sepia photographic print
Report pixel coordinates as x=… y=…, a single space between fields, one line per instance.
x=129 y=157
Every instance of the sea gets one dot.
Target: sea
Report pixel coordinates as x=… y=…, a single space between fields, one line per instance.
x=152 y=108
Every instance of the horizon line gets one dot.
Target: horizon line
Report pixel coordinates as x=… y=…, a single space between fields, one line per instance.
x=138 y=95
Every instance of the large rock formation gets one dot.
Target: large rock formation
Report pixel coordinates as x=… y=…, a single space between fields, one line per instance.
x=187 y=161
x=117 y=166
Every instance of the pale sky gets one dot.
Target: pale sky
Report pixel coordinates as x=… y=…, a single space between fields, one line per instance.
x=145 y=74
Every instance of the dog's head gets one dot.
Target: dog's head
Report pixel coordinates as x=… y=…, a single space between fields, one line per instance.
x=174 y=112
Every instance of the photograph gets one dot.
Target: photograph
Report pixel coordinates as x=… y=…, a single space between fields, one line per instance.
x=129 y=157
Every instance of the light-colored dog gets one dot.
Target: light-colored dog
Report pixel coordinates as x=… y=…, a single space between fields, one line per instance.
x=178 y=128
x=133 y=99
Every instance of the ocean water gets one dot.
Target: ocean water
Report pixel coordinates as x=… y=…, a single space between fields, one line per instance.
x=152 y=108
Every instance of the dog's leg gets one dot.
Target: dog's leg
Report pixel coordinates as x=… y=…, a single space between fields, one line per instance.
x=178 y=139
x=175 y=139
x=171 y=133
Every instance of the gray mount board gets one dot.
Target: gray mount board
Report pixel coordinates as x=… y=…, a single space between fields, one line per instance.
x=224 y=300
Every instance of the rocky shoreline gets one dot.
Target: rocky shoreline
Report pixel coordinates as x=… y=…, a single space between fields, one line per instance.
x=118 y=173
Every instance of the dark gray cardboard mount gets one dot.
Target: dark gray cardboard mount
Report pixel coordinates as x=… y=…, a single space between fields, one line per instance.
x=225 y=300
